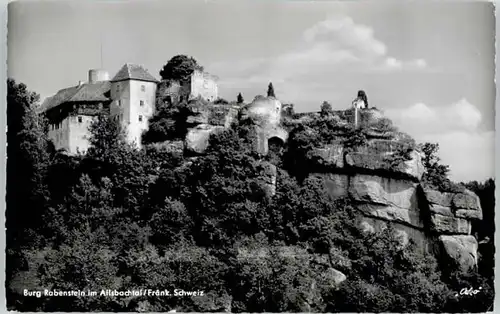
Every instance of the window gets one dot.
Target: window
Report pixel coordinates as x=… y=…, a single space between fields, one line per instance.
x=143 y=88
x=119 y=103
x=79 y=119
x=117 y=88
x=141 y=103
x=140 y=118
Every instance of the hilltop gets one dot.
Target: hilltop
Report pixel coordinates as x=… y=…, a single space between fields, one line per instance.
x=263 y=209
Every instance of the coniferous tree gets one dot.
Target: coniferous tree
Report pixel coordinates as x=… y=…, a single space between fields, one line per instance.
x=270 y=90
x=240 y=99
x=326 y=109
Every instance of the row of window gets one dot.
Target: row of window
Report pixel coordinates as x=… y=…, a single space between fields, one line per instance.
x=143 y=88
x=141 y=103
x=120 y=117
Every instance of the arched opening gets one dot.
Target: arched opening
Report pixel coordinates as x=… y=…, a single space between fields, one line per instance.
x=275 y=149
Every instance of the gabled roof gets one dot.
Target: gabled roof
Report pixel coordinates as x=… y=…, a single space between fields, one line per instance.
x=98 y=91
x=133 y=72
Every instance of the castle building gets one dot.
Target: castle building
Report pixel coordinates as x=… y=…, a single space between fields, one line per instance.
x=199 y=85
x=129 y=96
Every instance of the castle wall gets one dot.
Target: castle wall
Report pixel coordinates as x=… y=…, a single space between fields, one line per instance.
x=79 y=133
x=204 y=86
x=59 y=134
x=133 y=103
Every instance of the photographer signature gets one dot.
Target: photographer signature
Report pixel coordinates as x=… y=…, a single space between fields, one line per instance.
x=469 y=291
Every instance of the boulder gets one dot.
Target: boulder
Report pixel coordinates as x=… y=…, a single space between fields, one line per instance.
x=197 y=138
x=441 y=210
x=439 y=198
x=334 y=276
x=467 y=205
x=460 y=248
x=449 y=225
x=464 y=204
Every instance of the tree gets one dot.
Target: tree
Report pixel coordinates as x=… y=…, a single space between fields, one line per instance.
x=270 y=90
x=179 y=68
x=289 y=110
x=326 y=109
x=436 y=174
x=27 y=160
x=240 y=99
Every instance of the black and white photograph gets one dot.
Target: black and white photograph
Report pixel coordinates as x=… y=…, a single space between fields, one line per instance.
x=250 y=156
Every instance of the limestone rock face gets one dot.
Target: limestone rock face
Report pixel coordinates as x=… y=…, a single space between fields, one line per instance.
x=331 y=156
x=463 y=206
x=460 y=248
x=403 y=232
x=216 y=115
x=197 y=138
x=419 y=214
x=387 y=199
x=336 y=184
x=449 y=225
x=375 y=157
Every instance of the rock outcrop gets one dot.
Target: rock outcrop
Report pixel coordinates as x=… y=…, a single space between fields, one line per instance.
x=382 y=179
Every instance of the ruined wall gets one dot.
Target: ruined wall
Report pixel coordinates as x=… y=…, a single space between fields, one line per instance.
x=59 y=134
x=204 y=85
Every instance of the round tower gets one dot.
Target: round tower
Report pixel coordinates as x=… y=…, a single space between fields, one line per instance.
x=98 y=75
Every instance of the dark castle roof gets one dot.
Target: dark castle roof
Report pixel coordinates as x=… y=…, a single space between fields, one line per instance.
x=89 y=92
x=98 y=91
x=133 y=72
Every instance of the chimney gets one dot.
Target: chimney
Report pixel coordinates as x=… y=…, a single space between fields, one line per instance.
x=80 y=83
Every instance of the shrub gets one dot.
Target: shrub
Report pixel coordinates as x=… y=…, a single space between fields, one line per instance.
x=355 y=138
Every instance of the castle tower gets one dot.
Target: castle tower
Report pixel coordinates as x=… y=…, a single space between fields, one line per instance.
x=133 y=95
x=204 y=85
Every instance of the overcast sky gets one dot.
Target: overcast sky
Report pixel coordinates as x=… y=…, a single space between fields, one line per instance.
x=428 y=65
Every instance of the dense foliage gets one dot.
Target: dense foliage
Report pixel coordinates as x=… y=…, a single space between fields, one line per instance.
x=121 y=218
x=179 y=68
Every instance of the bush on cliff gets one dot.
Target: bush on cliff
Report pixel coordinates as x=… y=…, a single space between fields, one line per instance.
x=168 y=123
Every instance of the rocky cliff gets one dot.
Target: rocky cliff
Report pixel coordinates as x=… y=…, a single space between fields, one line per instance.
x=381 y=175
x=383 y=179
